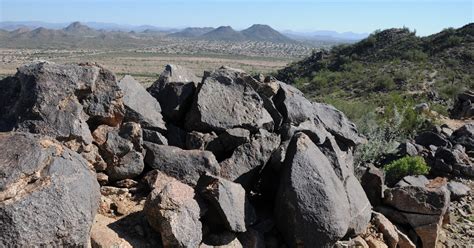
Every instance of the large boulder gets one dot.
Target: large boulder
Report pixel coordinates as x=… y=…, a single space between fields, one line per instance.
x=373 y=183
x=429 y=138
x=140 y=106
x=314 y=207
x=173 y=212
x=292 y=104
x=228 y=201
x=422 y=208
x=225 y=100
x=184 y=165
x=121 y=149
x=227 y=141
x=48 y=195
x=464 y=136
x=174 y=90
x=62 y=101
x=463 y=106
x=337 y=123
x=248 y=159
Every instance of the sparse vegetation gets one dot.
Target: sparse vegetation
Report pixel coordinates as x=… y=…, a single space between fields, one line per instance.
x=378 y=81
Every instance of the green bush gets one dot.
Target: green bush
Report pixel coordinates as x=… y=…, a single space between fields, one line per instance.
x=406 y=166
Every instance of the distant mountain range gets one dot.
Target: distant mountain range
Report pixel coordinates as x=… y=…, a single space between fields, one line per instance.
x=325 y=35
x=257 y=32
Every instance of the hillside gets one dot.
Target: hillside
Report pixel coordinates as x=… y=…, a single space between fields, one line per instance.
x=394 y=61
x=77 y=28
x=261 y=32
x=225 y=33
x=191 y=32
x=80 y=35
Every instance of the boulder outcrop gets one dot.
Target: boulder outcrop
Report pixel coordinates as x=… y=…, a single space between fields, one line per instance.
x=223 y=161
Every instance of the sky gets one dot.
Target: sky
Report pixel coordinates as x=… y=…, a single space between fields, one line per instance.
x=360 y=16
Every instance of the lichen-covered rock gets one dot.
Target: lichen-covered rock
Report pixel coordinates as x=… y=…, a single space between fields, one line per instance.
x=48 y=195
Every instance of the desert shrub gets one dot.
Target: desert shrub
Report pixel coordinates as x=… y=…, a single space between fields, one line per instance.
x=406 y=166
x=449 y=91
x=415 y=55
x=452 y=41
x=382 y=139
x=400 y=110
x=384 y=83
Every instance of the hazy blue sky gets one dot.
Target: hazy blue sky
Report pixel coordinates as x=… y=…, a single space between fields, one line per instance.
x=426 y=16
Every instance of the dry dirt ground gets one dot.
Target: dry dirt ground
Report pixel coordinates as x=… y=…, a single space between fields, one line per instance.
x=144 y=66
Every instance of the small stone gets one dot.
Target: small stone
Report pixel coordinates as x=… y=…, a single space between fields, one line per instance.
x=102 y=178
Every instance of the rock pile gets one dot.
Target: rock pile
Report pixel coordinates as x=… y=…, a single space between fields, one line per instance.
x=224 y=161
x=448 y=152
x=419 y=206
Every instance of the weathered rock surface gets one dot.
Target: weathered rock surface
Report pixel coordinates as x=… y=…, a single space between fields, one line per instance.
x=174 y=90
x=48 y=195
x=422 y=208
x=338 y=124
x=174 y=213
x=225 y=100
x=63 y=102
x=228 y=201
x=199 y=141
x=457 y=190
x=227 y=141
x=292 y=104
x=389 y=231
x=372 y=182
x=464 y=136
x=57 y=100
x=312 y=205
x=431 y=138
x=103 y=236
x=419 y=181
x=249 y=158
x=464 y=106
x=121 y=149
x=185 y=165
x=140 y=106
x=247 y=146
